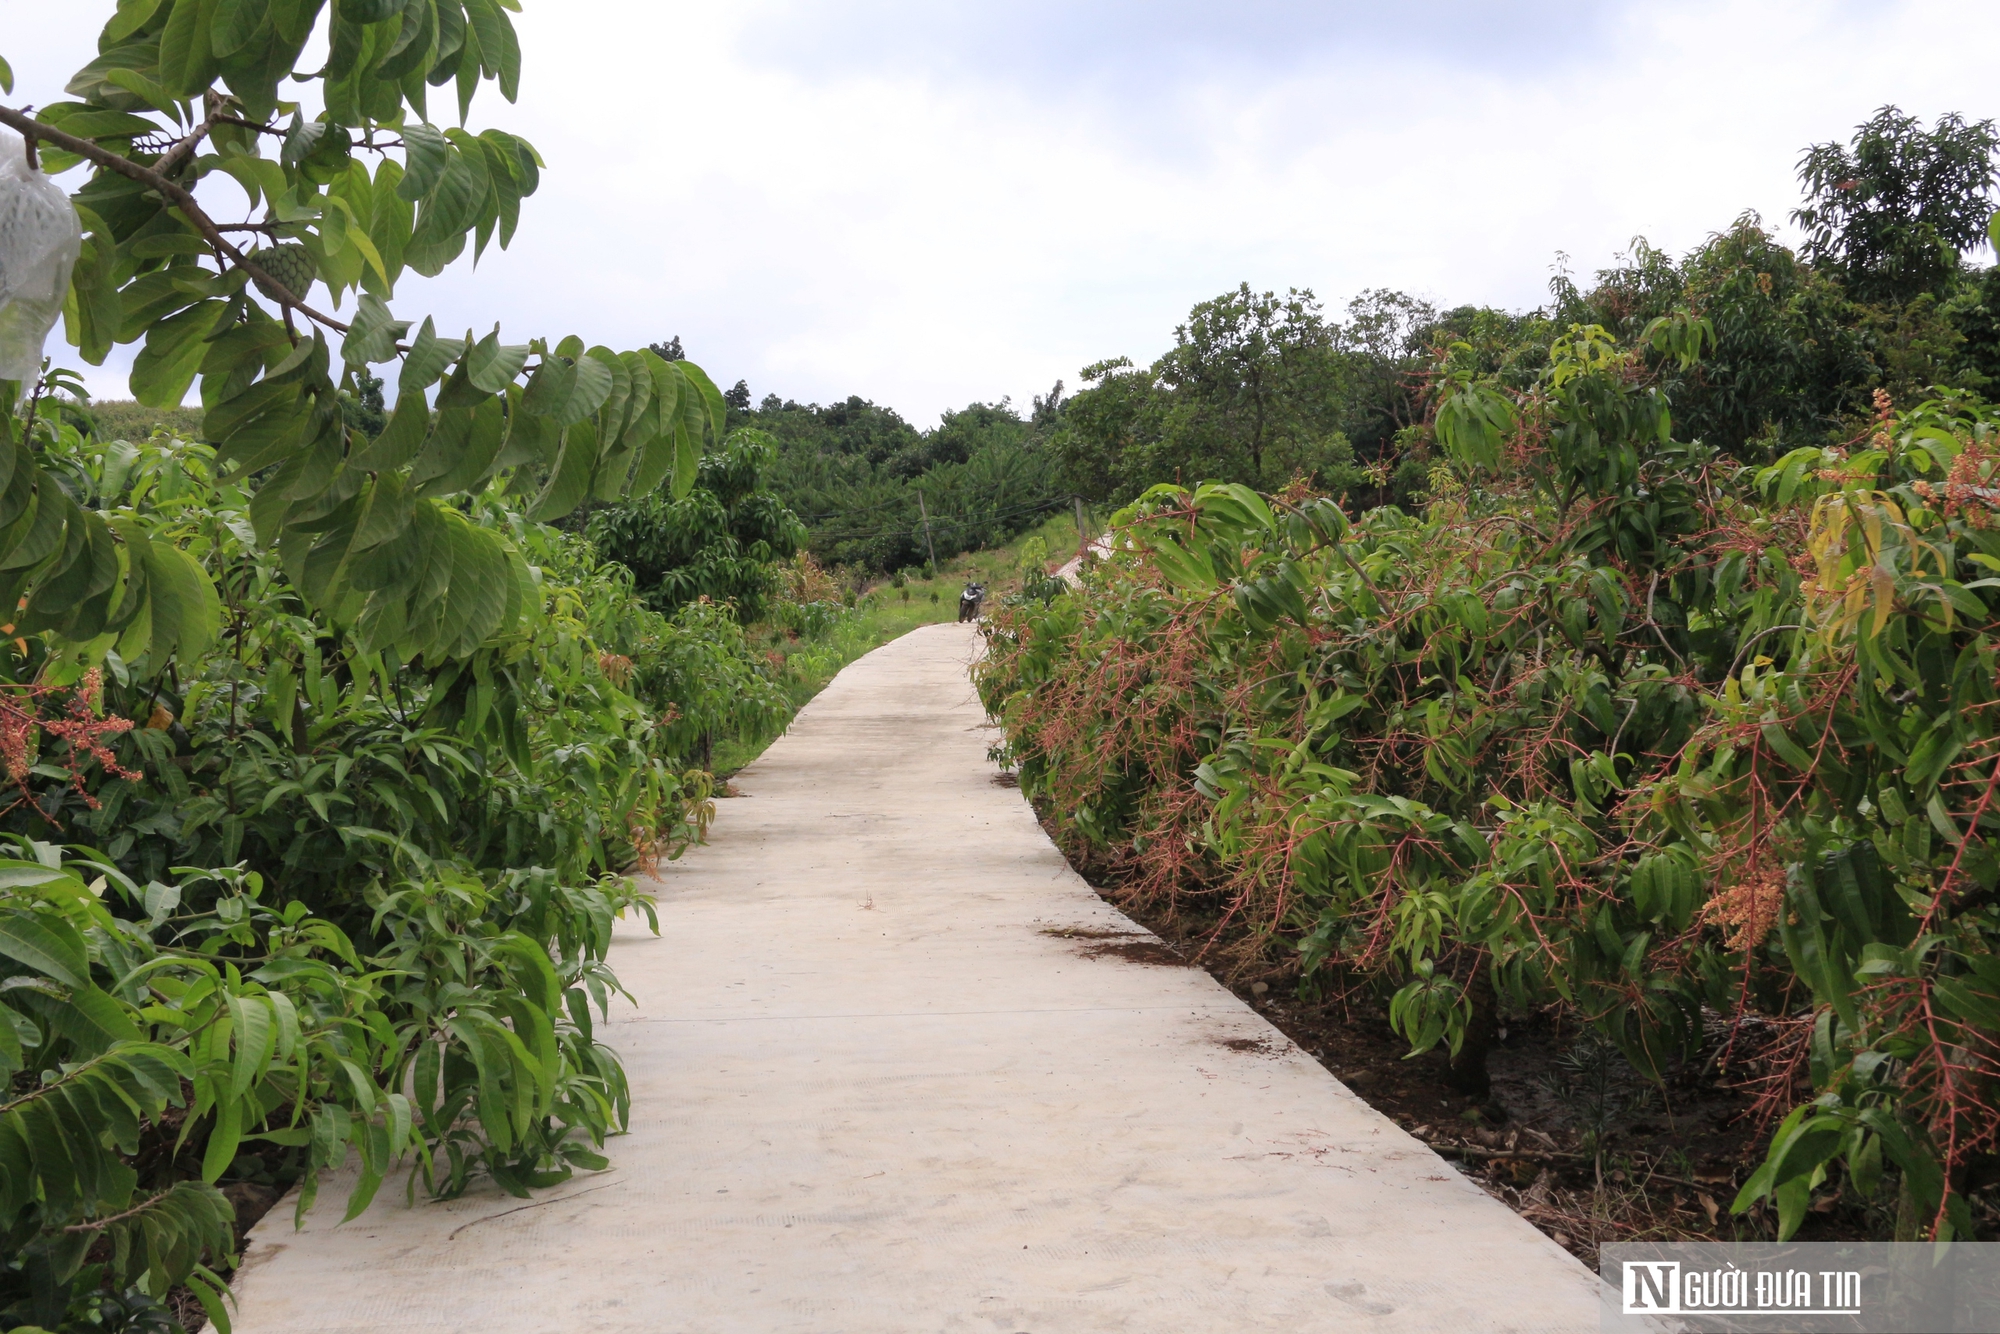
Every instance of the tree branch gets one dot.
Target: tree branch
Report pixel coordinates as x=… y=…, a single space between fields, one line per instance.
x=176 y=195
x=175 y=158
x=99 y=1224
x=272 y=130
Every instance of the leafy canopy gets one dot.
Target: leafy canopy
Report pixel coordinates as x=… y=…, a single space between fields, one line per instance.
x=1890 y=211
x=348 y=197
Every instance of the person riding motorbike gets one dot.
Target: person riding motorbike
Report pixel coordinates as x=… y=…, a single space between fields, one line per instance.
x=969 y=600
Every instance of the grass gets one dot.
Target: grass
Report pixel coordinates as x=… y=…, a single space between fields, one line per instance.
x=122 y=419
x=884 y=612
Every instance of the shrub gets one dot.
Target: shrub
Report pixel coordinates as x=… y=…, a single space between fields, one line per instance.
x=1615 y=727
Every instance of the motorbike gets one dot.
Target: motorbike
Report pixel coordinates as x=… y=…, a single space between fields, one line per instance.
x=968 y=602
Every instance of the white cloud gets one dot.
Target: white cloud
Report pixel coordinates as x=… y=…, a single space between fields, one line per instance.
x=843 y=200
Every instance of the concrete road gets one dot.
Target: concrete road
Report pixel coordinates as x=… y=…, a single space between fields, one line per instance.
x=877 y=1088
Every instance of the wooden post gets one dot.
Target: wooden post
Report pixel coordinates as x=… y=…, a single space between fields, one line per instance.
x=1082 y=531
x=928 y=544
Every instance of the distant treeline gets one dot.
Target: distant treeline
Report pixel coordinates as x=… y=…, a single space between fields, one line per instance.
x=1262 y=389
x=1265 y=388
x=863 y=479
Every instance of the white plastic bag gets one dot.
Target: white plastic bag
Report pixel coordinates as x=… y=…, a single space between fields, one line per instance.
x=39 y=240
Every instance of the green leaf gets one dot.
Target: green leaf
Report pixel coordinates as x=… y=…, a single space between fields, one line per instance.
x=7 y=77
x=570 y=482
x=687 y=462
x=373 y=335
x=1967 y=1005
x=611 y=419
x=254 y=1036
x=509 y=60
x=494 y=365
x=401 y=438
x=427 y=359
x=587 y=395
x=10 y=1055
x=135 y=85
x=95 y=309
x=414 y=44
x=1793 y=1196
x=477 y=448
x=388 y=512
x=469 y=64
x=452 y=206
x=209 y=1289
x=709 y=397
x=186 y=613
x=367 y=11
x=187 y=54
x=223 y=1137
x=165 y=369
x=362 y=1195
x=1473 y=422
x=660 y=451
x=95 y=1021
x=103 y=125
x=234 y=24
x=45 y=943
x=169 y=243
x=426 y=154
x=484 y=583
x=1785 y=748
x=131 y=16
x=550 y=387
x=450 y=431
x=260 y=177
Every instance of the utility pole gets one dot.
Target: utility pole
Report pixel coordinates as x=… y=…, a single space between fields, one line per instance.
x=1082 y=531
x=928 y=544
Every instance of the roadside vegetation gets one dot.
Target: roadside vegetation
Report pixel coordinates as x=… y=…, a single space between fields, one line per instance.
x=327 y=756
x=1653 y=726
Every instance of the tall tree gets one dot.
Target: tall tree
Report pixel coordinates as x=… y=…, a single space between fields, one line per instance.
x=1889 y=211
x=1254 y=390
x=1250 y=371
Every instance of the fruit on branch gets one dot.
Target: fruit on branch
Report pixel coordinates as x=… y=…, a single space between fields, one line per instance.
x=290 y=264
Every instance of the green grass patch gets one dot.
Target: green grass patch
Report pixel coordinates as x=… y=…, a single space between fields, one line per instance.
x=887 y=612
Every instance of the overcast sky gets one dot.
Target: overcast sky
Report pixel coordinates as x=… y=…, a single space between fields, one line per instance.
x=932 y=203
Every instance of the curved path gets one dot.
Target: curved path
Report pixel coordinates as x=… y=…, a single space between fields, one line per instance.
x=875 y=1089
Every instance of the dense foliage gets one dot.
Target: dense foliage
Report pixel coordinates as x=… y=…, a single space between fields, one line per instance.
x=326 y=756
x=1257 y=388
x=878 y=495
x=722 y=541
x=1616 y=725
x=415 y=876
x=1890 y=212
x=1668 y=703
